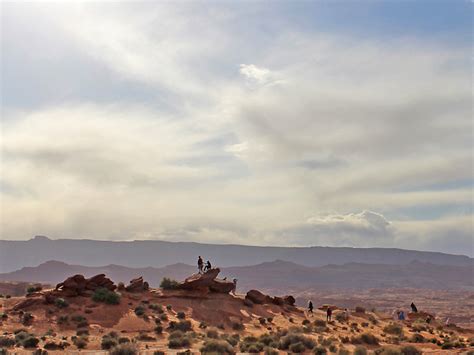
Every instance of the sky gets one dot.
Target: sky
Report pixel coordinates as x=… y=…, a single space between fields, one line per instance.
x=292 y=123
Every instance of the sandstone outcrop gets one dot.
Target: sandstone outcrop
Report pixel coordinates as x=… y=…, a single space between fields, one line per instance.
x=257 y=297
x=78 y=285
x=137 y=285
x=207 y=281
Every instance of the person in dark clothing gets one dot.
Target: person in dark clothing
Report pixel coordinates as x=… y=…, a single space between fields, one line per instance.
x=413 y=308
x=328 y=314
x=208 y=266
x=310 y=307
x=200 y=264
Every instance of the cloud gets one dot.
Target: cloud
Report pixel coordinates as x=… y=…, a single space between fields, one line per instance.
x=192 y=144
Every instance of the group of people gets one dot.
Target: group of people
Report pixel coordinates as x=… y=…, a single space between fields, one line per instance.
x=328 y=311
x=202 y=268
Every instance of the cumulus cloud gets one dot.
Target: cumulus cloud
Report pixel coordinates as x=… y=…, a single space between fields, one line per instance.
x=193 y=144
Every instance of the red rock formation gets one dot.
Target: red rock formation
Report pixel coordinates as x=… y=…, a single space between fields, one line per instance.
x=78 y=285
x=207 y=282
x=258 y=297
x=137 y=285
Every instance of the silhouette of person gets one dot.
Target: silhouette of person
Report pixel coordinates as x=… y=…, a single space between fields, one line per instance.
x=310 y=307
x=208 y=266
x=413 y=308
x=328 y=314
x=234 y=289
x=200 y=264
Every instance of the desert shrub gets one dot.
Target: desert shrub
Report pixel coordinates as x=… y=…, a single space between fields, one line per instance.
x=80 y=342
x=297 y=348
x=212 y=333
x=54 y=346
x=270 y=351
x=33 y=289
x=156 y=307
x=231 y=339
x=169 y=284
x=417 y=338
x=145 y=337
x=124 y=349
x=40 y=352
x=251 y=345
x=26 y=318
x=123 y=340
x=6 y=342
x=178 y=339
x=77 y=318
x=30 y=342
x=106 y=296
x=238 y=326
x=8 y=296
x=360 y=309
x=181 y=315
x=164 y=317
x=320 y=323
x=184 y=326
x=365 y=338
x=169 y=307
x=61 y=303
x=332 y=348
x=3 y=351
x=343 y=351
x=372 y=319
x=159 y=329
x=3 y=316
x=288 y=340
x=387 y=351
x=341 y=317
x=217 y=347
x=320 y=350
x=360 y=350
x=393 y=328
x=108 y=342
x=159 y=352
x=269 y=340
x=139 y=311
x=410 y=350
x=306 y=322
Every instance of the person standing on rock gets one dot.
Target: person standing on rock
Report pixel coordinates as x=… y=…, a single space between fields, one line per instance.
x=413 y=308
x=310 y=307
x=234 y=289
x=208 y=266
x=200 y=264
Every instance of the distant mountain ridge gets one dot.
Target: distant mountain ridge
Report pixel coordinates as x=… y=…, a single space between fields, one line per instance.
x=17 y=254
x=278 y=276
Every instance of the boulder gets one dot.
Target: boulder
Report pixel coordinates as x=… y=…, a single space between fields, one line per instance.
x=78 y=285
x=290 y=300
x=207 y=281
x=258 y=297
x=137 y=285
x=27 y=303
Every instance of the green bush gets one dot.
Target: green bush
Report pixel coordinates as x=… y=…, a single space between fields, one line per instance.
x=360 y=309
x=343 y=351
x=417 y=338
x=3 y=351
x=159 y=329
x=238 y=326
x=30 y=342
x=270 y=351
x=61 y=303
x=178 y=339
x=212 y=334
x=139 y=311
x=124 y=349
x=106 y=296
x=360 y=350
x=123 y=340
x=159 y=352
x=33 y=289
x=80 y=342
x=217 y=347
x=169 y=284
x=388 y=351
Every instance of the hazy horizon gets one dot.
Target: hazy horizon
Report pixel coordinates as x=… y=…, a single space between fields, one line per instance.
x=298 y=124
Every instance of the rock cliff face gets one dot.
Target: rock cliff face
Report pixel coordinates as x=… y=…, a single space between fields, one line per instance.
x=207 y=281
x=137 y=285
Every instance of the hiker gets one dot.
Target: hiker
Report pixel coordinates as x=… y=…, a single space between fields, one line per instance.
x=413 y=308
x=328 y=314
x=208 y=266
x=347 y=313
x=428 y=319
x=401 y=315
x=310 y=307
x=200 y=264
x=235 y=286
